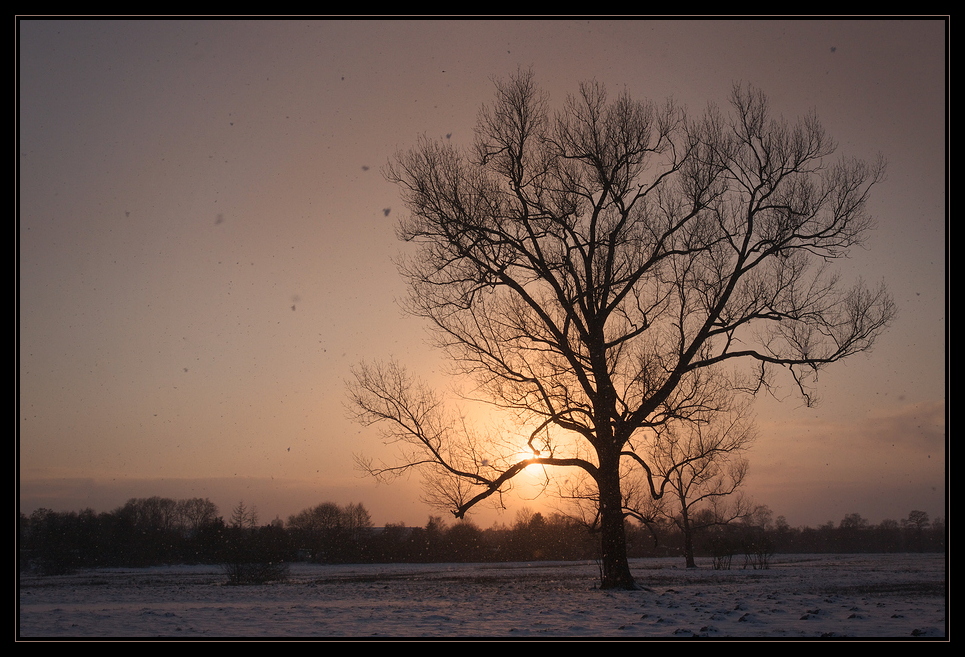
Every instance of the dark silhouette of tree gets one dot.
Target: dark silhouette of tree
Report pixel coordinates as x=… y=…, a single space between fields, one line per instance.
x=331 y=533
x=243 y=516
x=255 y=555
x=357 y=530
x=464 y=542
x=853 y=533
x=592 y=269
x=148 y=531
x=887 y=536
x=529 y=536
x=196 y=512
x=48 y=542
x=915 y=524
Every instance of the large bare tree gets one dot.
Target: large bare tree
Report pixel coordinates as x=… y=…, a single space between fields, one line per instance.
x=591 y=269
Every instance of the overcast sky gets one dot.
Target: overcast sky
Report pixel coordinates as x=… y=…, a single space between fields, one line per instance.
x=206 y=244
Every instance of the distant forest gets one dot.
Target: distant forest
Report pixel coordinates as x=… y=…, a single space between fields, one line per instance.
x=162 y=531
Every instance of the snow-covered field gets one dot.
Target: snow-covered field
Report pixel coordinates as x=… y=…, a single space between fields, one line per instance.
x=850 y=595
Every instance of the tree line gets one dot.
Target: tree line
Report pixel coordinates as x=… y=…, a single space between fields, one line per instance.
x=159 y=531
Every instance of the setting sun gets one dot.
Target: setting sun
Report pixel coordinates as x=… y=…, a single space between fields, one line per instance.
x=533 y=469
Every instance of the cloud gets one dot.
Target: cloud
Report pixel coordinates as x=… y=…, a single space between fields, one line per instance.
x=918 y=426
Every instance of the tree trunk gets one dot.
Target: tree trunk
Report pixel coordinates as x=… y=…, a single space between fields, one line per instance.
x=616 y=568
x=688 y=533
x=689 y=546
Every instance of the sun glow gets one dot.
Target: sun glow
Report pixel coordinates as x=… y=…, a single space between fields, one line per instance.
x=533 y=469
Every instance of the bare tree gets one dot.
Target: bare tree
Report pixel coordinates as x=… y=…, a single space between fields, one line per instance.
x=244 y=516
x=700 y=461
x=915 y=523
x=590 y=269
x=196 y=512
x=330 y=532
x=152 y=513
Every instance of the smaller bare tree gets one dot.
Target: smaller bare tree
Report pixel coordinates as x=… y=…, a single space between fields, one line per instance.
x=699 y=460
x=244 y=516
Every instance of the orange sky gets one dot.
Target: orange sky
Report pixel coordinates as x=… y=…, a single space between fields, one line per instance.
x=206 y=244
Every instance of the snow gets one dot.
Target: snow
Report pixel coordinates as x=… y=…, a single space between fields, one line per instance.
x=799 y=596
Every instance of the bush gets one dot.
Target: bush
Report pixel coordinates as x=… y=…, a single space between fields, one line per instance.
x=722 y=549
x=758 y=550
